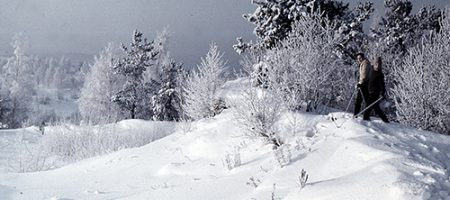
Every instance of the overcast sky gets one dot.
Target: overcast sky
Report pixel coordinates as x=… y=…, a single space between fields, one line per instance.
x=85 y=26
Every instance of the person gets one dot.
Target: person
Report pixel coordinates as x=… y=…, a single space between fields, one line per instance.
x=42 y=127
x=365 y=70
x=376 y=88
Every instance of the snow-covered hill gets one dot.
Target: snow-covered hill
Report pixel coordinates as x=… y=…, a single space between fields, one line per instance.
x=344 y=158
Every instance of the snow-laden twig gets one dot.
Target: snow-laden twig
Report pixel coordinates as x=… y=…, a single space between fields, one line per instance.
x=302 y=179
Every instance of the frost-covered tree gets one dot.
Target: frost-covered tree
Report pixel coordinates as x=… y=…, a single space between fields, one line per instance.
x=154 y=76
x=60 y=75
x=400 y=29
x=167 y=102
x=51 y=66
x=274 y=20
x=134 y=94
x=4 y=106
x=18 y=85
x=201 y=86
x=100 y=85
x=305 y=68
x=421 y=92
x=161 y=60
x=349 y=31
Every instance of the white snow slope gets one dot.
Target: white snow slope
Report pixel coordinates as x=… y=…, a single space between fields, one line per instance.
x=358 y=160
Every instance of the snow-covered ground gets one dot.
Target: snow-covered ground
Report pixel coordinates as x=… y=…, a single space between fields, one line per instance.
x=344 y=158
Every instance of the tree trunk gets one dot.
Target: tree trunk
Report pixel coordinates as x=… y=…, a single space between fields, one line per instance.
x=133 y=111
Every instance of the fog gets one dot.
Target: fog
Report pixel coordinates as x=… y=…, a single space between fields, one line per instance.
x=57 y=27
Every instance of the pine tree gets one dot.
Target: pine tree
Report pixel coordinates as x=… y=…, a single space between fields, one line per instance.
x=350 y=35
x=99 y=87
x=161 y=60
x=134 y=94
x=167 y=102
x=274 y=19
x=153 y=76
x=201 y=86
x=401 y=29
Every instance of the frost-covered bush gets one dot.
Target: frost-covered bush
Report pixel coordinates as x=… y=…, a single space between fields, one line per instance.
x=253 y=182
x=421 y=92
x=64 y=143
x=28 y=157
x=29 y=161
x=283 y=155
x=201 y=86
x=257 y=111
x=399 y=30
x=305 y=68
x=232 y=159
x=302 y=179
x=260 y=75
x=68 y=143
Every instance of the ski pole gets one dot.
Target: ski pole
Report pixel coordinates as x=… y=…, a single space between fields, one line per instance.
x=362 y=94
x=350 y=101
x=369 y=106
x=346 y=110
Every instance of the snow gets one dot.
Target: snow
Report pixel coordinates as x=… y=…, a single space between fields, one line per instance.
x=358 y=160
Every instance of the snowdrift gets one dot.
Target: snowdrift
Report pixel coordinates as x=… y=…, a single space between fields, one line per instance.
x=344 y=158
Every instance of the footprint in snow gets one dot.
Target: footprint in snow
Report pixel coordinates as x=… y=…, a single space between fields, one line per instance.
x=95 y=192
x=391 y=145
x=418 y=173
x=113 y=161
x=178 y=164
x=371 y=130
x=59 y=198
x=310 y=133
x=378 y=137
x=429 y=179
x=421 y=137
x=423 y=145
x=321 y=125
x=435 y=150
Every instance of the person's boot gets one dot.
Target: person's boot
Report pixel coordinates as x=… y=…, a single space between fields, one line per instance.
x=366 y=115
x=381 y=114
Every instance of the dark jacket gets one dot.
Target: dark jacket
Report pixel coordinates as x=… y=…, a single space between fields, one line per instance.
x=376 y=83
